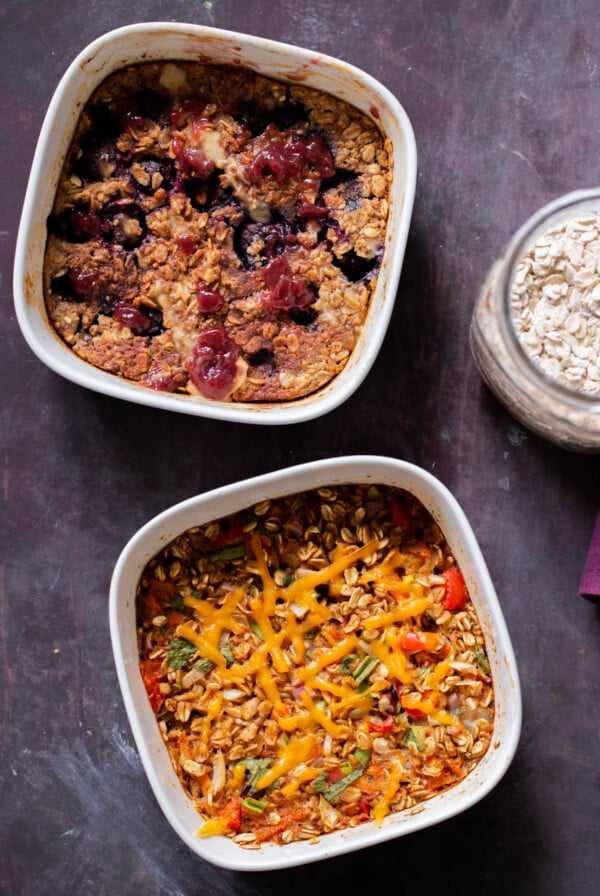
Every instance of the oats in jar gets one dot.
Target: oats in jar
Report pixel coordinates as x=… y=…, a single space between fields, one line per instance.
x=555 y=303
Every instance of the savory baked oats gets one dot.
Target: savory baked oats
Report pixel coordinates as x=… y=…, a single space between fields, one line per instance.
x=216 y=232
x=314 y=662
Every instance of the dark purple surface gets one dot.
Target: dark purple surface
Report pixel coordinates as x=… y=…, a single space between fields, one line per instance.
x=504 y=99
x=590 y=580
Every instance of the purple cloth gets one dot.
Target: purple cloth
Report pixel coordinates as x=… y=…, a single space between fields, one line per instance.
x=590 y=581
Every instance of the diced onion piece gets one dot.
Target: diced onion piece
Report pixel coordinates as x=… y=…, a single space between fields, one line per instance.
x=218 y=778
x=329 y=814
x=298 y=611
x=232 y=694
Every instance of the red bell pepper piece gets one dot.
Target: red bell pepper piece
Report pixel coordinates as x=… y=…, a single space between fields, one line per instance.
x=161 y=590
x=174 y=619
x=231 y=813
x=412 y=711
x=228 y=536
x=415 y=641
x=399 y=689
x=152 y=677
x=399 y=515
x=158 y=594
x=363 y=806
x=455 y=594
x=382 y=727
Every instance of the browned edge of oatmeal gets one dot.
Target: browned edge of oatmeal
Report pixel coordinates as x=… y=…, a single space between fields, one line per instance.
x=217 y=233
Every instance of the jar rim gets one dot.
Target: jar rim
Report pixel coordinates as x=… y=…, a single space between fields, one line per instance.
x=546 y=217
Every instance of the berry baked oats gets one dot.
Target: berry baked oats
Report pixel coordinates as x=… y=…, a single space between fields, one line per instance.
x=314 y=662
x=216 y=232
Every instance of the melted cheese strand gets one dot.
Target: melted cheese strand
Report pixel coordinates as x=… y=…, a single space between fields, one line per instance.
x=293 y=754
x=320 y=716
x=292 y=723
x=270 y=638
x=270 y=589
x=435 y=677
x=323 y=576
x=244 y=670
x=295 y=632
x=382 y=808
x=213 y=710
x=427 y=705
x=333 y=655
x=202 y=643
x=394 y=660
x=216 y=620
x=265 y=680
x=300 y=777
x=405 y=611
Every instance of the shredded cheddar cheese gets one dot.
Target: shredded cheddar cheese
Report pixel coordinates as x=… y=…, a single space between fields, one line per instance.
x=323 y=576
x=413 y=607
x=273 y=643
x=205 y=646
x=394 y=660
x=213 y=827
x=293 y=754
x=327 y=658
x=320 y=716
x=396 y=774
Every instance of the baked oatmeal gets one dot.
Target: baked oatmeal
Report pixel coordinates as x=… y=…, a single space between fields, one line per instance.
x=216 y=232
x=314 y=662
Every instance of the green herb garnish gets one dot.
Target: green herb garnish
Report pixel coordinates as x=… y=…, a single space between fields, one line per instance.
x=178 y=604
x=257 y=807
x=346 y=663
x=256 y=629
x=231 y=552
x=227 y=654
x=481 y=660
x=204 y=665
x=362 y=756
x=332 y=792
x=320 y=782
x=415 y=736
x=364 y=669
x=255 y=768
x=179 y=653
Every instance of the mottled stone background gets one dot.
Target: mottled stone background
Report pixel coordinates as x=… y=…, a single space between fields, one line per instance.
x=505 y=102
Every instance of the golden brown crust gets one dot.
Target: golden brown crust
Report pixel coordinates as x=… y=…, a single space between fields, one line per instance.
x=135 y=222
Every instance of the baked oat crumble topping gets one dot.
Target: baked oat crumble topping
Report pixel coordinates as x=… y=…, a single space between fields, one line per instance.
x=217 y=233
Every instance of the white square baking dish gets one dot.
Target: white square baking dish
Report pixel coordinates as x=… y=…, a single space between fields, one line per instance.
x=156 y=534
x=174 y=41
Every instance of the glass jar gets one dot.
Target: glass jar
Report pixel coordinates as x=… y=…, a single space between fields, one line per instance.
x=556 y=411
